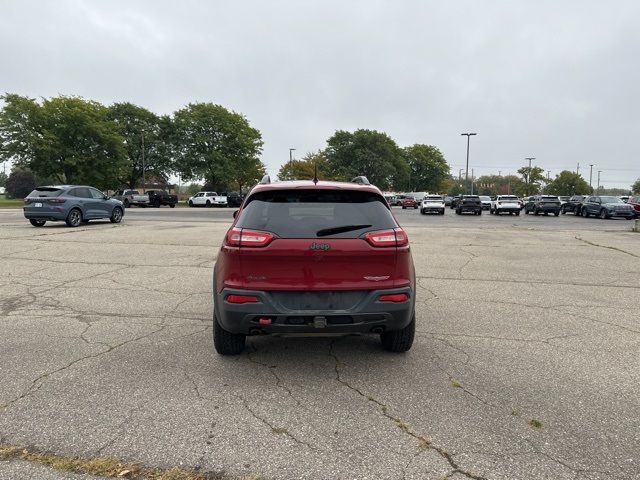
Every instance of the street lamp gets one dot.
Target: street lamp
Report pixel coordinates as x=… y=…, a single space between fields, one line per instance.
x=291 y=150
x=468 y=135
x=598 y=189
x=529 y=173
x=591 y=174
x=143 y=166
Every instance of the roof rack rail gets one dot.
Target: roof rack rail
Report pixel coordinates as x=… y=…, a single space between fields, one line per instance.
x=266 y=179
x=361 y=180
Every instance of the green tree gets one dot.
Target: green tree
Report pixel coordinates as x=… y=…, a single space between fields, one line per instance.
x=568 y=183
x=68 y=139
x=140 y=128
x=305 y=168
x=365 y=152
x=635 y=188
x=218 y=145
x=427 y=167
x=532 y=179
x=498 y=185
x=20 y=183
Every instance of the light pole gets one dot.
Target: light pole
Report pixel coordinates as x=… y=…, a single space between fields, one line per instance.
x=472 y=181
x=529 y=173
x=468 y=135
x=591 y=175
x=291 y=150
x=598 y=189
x=144 y=185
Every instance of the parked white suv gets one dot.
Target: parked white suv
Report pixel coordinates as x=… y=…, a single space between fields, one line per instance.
x=432 y=203
x=505 y=203
x=207 y=199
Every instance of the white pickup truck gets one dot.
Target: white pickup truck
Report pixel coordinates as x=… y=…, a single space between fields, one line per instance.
x=505 y=203
x=132 y=197
x=208 y=199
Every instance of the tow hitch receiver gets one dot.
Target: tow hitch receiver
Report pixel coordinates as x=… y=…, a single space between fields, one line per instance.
x=320 y=322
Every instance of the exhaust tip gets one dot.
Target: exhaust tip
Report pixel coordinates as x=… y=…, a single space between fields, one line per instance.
x=377 y=330
x=255 y=331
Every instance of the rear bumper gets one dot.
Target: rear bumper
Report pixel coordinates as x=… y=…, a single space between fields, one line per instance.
x=367 y=316
x=46 y=214
x=469 y=208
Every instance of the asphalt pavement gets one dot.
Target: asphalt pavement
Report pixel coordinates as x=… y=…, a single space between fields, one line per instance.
x=525 y=364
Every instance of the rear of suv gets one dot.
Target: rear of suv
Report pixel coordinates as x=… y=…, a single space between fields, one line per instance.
x=310 y=257
x=469 y=203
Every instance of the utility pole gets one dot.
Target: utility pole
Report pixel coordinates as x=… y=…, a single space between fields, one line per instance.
x=529 y=173
x=468 y=135
x=548 y=175
x=460 y=175
x=578 y=169
x=144 y=185
x=591 y=175
x=598 y=189
x=499 y=173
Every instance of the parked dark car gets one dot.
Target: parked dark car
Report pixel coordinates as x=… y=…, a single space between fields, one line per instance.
x=635 y=203
x=409 y=202
x=469 y=203
x=314 y=258
x=161 y=197
x=74 y=204
x=545 y=204
x=454 y=201
x=234 y=199
x=447 y=200
x=607 y=207
x=574 y=204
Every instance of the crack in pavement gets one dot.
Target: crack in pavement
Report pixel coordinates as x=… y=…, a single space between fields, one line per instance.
x=273 y=428
x=593 y=244
x=423 y=443
x=526 y=282
x=37 y=383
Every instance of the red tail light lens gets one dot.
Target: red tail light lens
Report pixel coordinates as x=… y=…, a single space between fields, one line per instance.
x=387 y=238
x=242 y=299
x=248 y=238
x=56 y=200
x=394 y=297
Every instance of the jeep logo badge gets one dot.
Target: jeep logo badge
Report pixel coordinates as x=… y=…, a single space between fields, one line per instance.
x=320 y=246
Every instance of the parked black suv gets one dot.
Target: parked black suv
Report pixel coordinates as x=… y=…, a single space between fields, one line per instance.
x=469 y=203
x=574 y=205
x=161 y=197
x=543 y=204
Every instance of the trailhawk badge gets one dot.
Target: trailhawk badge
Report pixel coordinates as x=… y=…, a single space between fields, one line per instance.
x=320 y=246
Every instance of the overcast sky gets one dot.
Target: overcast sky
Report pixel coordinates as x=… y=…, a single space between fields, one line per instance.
x=556 y=80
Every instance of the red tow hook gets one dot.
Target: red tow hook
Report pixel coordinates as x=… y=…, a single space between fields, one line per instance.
x=265 y=321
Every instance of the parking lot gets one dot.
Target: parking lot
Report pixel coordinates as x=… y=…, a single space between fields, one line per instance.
x=525 y=365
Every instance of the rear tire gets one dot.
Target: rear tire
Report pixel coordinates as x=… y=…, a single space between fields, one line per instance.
x=37 y=223
x=399 y=341
x=603 y=214
x=517 y=214
x=74 y=219
x=585 y=213
x=190 y=203
x=227 y=343
x=556 y=213
x=173 y=205
x=126 y=203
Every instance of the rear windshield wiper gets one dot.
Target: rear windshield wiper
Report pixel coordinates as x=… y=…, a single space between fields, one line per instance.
x=344 y=228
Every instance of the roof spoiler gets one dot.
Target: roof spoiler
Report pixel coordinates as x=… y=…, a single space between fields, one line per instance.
x=265 y=180
x=361 y=180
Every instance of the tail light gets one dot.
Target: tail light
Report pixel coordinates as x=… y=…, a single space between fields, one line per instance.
x=387 y=238
x=238 y=299
x=394 y=297
x=56 y=200
x=248 y=238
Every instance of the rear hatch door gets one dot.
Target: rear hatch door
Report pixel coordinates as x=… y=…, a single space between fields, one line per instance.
x=319 y=241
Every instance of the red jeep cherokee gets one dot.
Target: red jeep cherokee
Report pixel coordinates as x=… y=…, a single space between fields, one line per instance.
x=305 y=257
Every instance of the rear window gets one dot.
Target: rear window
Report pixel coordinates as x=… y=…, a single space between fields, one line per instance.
x=471 y=197
x=45 y=192
x=548 y=198
x=512 y=198
x=313 y=213
x=433 y=198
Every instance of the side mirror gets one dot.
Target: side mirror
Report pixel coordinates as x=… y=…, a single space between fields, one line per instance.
x=235 y=213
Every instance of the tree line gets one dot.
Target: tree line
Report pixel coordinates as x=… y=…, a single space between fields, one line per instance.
x=71 y=140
